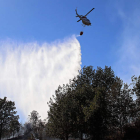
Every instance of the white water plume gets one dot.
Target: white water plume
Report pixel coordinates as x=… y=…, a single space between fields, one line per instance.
x=30 y=73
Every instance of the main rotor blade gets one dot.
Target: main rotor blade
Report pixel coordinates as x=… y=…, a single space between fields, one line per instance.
x=89 y=12
x=78 y=20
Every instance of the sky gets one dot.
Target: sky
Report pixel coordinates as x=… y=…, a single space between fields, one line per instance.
x=40 y=46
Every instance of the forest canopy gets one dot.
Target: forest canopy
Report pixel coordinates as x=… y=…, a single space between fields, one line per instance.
x=94 y=105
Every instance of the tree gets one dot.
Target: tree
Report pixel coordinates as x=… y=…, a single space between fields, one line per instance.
x=97 y=84
x=136 y=90
x=96 y=103
x=77 y=103
x=124 y=106
x=27 y=128
x=59 y=118
x=105 y=104
x=21 y=130
x=7 y=115
x=14 y=127
x=136 y=87
x=34 y=120
x=41 y=128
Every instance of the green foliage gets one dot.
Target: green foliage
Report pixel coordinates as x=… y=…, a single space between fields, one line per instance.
x=34 y=118
x=59 y=117
x=7 y=116
x=35 y=125
x=14 y=126
x=95 y=103
x=136 y=88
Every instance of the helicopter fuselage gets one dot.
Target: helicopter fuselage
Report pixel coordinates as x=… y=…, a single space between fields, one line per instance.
x=85 y=20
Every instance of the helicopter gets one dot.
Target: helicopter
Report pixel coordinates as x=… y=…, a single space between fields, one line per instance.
x=84 y=19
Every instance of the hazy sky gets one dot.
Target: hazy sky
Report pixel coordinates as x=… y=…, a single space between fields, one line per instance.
x=40 y=47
